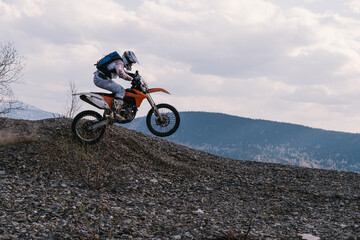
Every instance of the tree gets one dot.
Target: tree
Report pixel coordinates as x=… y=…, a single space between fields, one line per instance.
x=73 y=104
x=11 y=69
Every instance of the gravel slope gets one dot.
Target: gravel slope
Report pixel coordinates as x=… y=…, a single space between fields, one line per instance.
x=134 y=186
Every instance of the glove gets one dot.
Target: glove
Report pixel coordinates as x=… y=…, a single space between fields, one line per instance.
x=137 y=78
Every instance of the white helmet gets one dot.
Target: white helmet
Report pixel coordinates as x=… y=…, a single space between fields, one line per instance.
x=129 y=58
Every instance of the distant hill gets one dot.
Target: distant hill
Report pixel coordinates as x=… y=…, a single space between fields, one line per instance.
x=266 y=141
x=28 y=112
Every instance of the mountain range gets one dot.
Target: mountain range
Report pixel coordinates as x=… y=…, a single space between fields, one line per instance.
x=26 y=111
x=266 y=141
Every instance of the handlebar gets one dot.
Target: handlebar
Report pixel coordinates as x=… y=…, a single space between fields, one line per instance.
x=138 y=82
x=135 y=82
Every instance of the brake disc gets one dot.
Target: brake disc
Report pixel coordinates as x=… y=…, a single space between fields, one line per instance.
x=164 y=121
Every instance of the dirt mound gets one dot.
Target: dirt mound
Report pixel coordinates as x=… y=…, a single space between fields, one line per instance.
x=134 y=186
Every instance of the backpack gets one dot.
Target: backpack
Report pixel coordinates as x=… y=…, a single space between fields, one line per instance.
x=102 y=63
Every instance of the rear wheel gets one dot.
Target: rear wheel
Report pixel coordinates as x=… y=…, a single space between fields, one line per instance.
x=83 y=127
x=167 y=124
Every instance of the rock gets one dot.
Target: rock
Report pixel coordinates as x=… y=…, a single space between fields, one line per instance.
x=154 y=180
x=199 y=211
x=309 y=237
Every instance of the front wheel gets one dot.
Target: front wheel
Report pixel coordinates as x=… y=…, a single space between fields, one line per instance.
x=165 y=125
x=83 y=127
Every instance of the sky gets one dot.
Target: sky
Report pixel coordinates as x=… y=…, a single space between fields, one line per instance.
x=288 y=61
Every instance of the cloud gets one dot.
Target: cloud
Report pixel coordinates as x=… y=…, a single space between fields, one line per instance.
x=354 y=6
x=275 y=59
x=230 y=44
x=315 y=94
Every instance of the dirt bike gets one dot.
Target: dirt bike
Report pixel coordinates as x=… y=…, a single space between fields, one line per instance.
x=89 y=126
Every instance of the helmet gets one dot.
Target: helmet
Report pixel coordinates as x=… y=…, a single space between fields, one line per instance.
x=129 y=58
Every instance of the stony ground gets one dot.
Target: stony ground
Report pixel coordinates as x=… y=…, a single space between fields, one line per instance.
x=133 y=186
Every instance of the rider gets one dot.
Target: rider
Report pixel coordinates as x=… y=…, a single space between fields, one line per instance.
x=104 y=79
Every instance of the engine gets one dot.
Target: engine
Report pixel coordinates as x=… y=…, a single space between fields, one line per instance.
x=128 y=112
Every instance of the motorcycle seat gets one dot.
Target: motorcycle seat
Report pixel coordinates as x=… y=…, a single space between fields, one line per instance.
x=105 y=94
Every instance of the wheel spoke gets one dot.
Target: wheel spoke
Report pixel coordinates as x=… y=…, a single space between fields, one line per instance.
x=168 y=123
x=82 y=127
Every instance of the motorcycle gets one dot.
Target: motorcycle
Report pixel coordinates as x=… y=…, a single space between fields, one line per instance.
x=89 y=126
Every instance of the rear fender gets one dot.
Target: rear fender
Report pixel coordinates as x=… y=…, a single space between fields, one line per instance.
x=96 y=100
x=157 y=90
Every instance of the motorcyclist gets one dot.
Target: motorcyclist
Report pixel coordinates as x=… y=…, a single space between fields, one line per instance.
x=117 y=68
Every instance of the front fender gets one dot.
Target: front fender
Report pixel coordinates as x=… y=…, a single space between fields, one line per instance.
x=157 y=90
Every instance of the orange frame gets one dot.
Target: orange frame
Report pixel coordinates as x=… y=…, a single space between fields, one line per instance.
x=139 y=96
x=108 y=100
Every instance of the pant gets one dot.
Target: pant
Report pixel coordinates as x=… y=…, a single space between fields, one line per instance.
x=109 y=85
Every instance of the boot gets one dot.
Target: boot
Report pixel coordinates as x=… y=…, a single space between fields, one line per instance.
x=116 y=107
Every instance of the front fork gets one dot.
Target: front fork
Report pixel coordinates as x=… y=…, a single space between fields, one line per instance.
x=153 y=105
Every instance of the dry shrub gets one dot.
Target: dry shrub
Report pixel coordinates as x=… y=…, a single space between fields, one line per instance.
x=231 y=235
x=8 y=139
x=95 y=165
